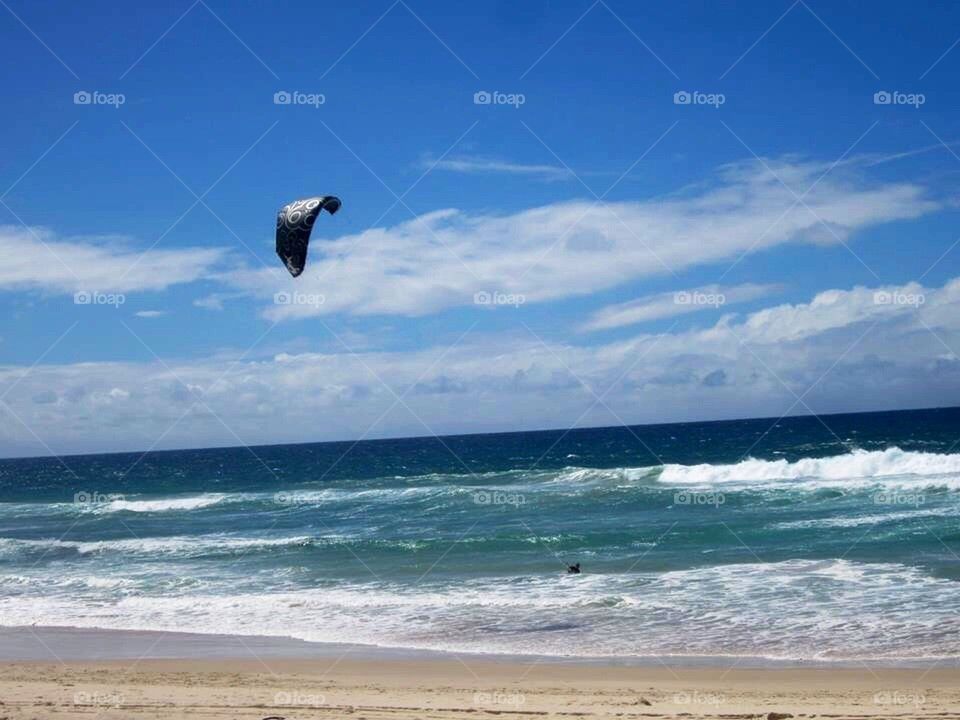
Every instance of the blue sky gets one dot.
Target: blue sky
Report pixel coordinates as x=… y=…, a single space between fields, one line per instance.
x=783 y=198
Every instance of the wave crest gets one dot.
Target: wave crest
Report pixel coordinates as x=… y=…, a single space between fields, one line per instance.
x=857 y=465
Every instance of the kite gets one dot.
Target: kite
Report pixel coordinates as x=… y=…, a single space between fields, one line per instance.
x=294 y=225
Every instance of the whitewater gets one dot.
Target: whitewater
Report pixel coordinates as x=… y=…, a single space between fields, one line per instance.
x=715 y=540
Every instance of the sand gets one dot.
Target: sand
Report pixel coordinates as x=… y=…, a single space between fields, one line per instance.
x=346 y=687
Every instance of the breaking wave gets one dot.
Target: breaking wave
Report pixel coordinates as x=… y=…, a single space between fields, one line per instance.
x=857 y=465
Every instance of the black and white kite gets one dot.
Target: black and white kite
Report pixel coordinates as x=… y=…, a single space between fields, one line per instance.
x=294 y=225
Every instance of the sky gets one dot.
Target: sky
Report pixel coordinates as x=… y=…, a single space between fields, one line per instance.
x=556 y=213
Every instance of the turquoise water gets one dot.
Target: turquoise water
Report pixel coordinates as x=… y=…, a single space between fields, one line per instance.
x=798 y=539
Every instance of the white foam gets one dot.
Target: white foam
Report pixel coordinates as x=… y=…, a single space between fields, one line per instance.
x=192 y=545
x=857 y=465
x=794 y=609
x=341 y=495
x=174 y=545
x=162 y=505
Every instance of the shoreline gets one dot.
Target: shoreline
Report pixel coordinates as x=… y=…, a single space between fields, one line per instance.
x=64 y=644
x=69 y=673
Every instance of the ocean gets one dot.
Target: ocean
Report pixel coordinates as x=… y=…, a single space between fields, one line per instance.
x=803 y=539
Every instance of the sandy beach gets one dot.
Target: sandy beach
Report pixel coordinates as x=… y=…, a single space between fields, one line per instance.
x=456 y=688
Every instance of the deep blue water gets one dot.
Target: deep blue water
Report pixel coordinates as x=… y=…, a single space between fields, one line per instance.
x=803 y=538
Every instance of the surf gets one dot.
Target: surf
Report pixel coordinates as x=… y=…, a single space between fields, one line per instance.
x=856 y=465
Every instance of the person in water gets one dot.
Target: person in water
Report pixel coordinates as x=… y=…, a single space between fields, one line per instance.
x=573 y=569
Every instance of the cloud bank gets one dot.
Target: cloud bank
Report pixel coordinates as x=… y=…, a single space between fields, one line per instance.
x=829 y=354
x=845 y=349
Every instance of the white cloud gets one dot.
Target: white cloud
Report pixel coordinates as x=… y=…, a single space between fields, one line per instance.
x=444 y=258
x=854 y=349
x=881 y=158
x=485 y=166
x=37 y=259
x=441 y=259
x=834 y=309
x=671 y=304
x=150 y=313
x=210 y=302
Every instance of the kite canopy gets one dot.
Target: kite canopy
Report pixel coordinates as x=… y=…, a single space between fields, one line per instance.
x=294 y=225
